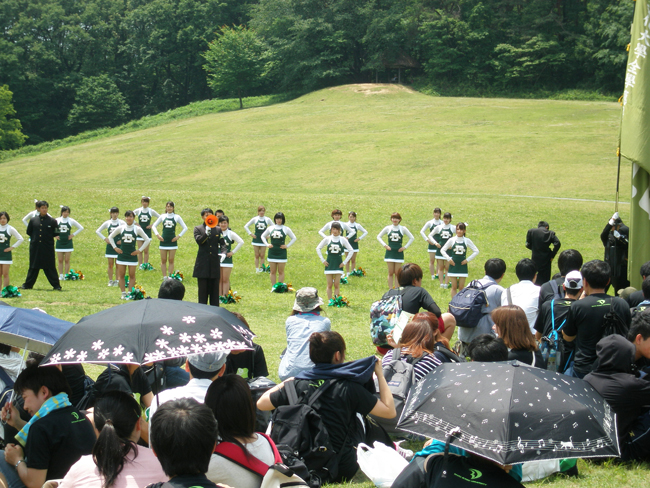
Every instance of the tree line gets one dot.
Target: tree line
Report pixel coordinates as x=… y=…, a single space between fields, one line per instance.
x=75 y=65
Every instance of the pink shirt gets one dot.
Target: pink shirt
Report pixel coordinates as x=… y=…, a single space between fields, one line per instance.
x=137 y=473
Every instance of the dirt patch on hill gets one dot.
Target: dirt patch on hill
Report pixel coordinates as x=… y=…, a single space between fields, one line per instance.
x=374 y=88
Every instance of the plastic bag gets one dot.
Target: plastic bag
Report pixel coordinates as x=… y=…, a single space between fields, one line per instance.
x=380 y=463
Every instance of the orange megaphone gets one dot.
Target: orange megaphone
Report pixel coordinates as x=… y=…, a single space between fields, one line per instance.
x=211 y=221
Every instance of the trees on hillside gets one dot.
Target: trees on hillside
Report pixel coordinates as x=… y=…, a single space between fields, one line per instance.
x=11 y=136
x=98 y=103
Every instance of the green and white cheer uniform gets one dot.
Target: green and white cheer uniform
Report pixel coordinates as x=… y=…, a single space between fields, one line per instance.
x=277 y=235
x=128 y=235
x=110 y=225
x=455 y=251
x=344 y=227
x=65 y=244
x=229 y=237
x=6 y=233
x=356 y=227
x=427 y=230
x=169 y=221
x=145 y=218
x=335 y=248
x=260 y=223
x=395 y=234
x=441 y=234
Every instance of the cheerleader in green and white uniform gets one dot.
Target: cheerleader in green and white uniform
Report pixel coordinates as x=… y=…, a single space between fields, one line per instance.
x=424 y=232
x=455 y=252
x=353 y=238
x=63 y=246
x=168 y=239
x=6 y=233
x=226 y=263
x=394 y=249
x=127 y=251
x=335 y=245
x=438 y=237
x=277 y=236
x=110 y=225
x=261 y=223
x=146 y=217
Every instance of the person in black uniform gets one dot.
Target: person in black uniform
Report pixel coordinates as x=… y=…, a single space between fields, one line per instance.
x=42 y=229
x=539 y=241
x=207 y=267
x=615 y=237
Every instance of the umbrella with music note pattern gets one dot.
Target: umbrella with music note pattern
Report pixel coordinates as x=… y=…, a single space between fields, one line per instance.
x=510 y=412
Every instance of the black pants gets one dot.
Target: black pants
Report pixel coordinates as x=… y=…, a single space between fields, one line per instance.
x=543 y=272
x=208 y=287
x=636 y=446
x=50 y=273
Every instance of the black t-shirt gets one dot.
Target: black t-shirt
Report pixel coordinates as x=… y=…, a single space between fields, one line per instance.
x=117 y=377
x=527 y=357
x=337 y=407
x=586 y=324
x=251 y=363
x=414 y=298
x=561 y=309
x=635 y=298
x=57 y=441
x=546 y=291
x=186 y=481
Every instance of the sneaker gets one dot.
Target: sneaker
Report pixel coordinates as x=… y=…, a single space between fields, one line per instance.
x=110 y=282
x=434 y=277
x=442 y=285
x=123 y=297
x=405 y=453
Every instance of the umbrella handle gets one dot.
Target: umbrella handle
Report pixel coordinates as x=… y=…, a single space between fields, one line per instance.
x=453 y=433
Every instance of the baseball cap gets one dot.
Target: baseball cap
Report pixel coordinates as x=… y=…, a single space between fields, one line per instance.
x=573 y=280
x=209 y=362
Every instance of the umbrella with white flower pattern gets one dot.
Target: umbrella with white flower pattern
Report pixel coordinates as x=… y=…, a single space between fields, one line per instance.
x=144 y=331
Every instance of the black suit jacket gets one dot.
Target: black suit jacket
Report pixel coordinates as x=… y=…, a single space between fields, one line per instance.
x=208 y=259
x=42 y=231
x=540 y=240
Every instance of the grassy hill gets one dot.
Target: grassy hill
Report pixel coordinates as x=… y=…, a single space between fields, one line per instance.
x=500 y=165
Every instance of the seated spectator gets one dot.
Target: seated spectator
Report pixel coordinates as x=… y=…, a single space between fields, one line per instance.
x=585 y=325
x=487 y=348
x=183 y=434
x=53 y=440
x=524 y=294
x=128 y=378
x=11 y=364
x=511 y=325
x=645 y=304
x=639 y=335
x=230 y=400
x=614 y=378
x=339 y=405
x=116 y=461
x=638 y=296
x=172 y=290
x=246 y=363
x=495 y=269
x=305 y=319
x=569 y=260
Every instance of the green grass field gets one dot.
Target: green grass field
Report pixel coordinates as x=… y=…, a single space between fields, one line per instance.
x=500 y=165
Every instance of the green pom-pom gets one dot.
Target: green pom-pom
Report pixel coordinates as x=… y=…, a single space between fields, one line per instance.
x=146 y=267
x=344 y=280
x=176 y=275
x=339 y=301
x=74 y=275
x=10 y=292
x=136 y=293
x=266 y=268
x=360 y=272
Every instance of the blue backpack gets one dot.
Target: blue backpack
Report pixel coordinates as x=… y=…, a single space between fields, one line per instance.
x=467 y=305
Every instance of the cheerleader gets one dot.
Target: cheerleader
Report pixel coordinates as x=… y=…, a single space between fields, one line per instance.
x=226 y=264
x=394 y=249
x=261 y=223
x=277 y=248
x=168 y=239
x=336 y=246
x=438 y=237
x=129 y=235
x=432 y=249
x=63 y=246
x=6 y=233
x=110 y=225
x=32 y=214
x=458 y=260
x=146 y=218
x=357 y=228
x=336 y=216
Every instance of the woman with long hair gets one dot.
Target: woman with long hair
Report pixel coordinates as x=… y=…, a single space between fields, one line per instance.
x=117 y=461
x=229 y=398
x=511 y=324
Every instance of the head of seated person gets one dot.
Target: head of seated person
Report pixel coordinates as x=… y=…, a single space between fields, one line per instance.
x=526 y=270
x=327 y=347
x=36 y=385
x=421 y=335
x=486 y=349
x=639 y=334
x=511 y=324
x=410 y=275
x=229 y=398
x=172 y=289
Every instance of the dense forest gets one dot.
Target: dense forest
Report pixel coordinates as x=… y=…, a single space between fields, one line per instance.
x=74 y=65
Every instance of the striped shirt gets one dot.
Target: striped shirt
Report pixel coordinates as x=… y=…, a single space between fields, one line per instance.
x=424 y=366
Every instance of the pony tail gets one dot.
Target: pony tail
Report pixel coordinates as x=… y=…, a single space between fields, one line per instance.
x=110 y=452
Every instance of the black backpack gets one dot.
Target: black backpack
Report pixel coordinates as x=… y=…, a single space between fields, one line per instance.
x=613 y=324
x=467 y=305
x=302 y=438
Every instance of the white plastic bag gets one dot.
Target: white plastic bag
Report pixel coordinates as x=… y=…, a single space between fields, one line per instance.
x=537 y=470
x=380 y=463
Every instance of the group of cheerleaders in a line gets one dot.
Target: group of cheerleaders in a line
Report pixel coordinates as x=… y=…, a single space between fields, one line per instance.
x=447 y=245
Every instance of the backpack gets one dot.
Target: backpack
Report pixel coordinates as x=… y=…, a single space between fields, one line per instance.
x=276 y=475
x=302 y=438
x=384 y=315
x=558 y=292
x=467 y=305
x=552 y=345
x=613 y=324
x=400 y=376
x=449 y=356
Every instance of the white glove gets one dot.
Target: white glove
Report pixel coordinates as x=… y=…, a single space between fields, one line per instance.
x=208 y=230
x=617 y=234
x=615 y=216
x=223 y=257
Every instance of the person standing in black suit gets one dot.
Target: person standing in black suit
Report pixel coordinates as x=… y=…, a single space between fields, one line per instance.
x=539 y=241
x=615 y=237
x=42 y=229
x=207 y=267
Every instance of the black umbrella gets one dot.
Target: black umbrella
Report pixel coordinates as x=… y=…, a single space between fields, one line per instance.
x=150 y=330
x=511 y=412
